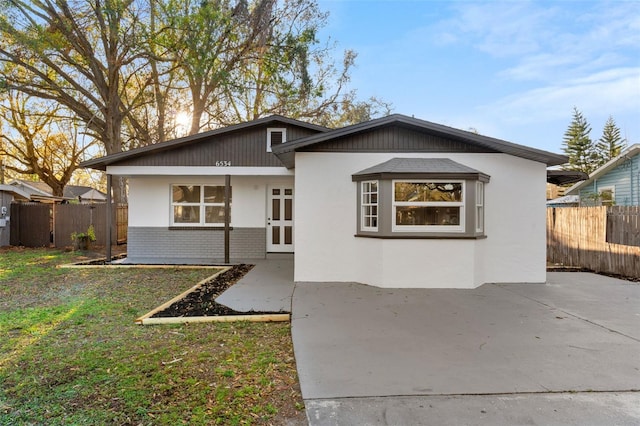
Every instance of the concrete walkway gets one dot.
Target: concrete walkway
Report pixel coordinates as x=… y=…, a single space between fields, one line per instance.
x=266 y=288
x=499 y=354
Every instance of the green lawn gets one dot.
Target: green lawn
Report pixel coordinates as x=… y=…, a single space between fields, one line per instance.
x=71 y=354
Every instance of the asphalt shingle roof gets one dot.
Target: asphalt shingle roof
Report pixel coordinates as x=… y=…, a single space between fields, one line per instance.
x=419 y=167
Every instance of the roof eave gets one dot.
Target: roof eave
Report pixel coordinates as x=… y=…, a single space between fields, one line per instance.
x=533 y=154
x=102 y=162
x=563 y=177
x=482 y=177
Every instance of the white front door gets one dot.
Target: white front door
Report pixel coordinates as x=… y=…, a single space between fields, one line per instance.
x=280 y=219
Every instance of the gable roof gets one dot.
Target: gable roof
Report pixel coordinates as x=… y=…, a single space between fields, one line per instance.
x=75 y=191
x=32 y=187
x=485 y=142
x=15 y=191
x=42 y=190
x=628 y=153
x=422 y=167
x=103 y=162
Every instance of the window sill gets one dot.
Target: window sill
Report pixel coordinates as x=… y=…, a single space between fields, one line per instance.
x=198 y=228
x=422 y=237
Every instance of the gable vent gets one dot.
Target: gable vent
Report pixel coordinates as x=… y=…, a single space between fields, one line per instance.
x=275 y=136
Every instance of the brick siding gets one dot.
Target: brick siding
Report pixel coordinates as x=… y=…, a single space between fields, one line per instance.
x=163 y=245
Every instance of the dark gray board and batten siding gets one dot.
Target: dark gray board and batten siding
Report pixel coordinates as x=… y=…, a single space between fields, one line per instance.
x=245 y=148
x=395 y=139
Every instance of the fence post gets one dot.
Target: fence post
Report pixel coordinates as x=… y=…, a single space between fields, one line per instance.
x=108 y=220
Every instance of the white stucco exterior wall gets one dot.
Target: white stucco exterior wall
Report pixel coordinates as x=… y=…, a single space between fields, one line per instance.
x=327 y=250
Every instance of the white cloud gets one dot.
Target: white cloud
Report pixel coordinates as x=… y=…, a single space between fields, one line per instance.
x=543 y=40
x=500 y=29
x=611 y=91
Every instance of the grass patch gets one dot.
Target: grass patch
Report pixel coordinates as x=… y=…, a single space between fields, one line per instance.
x=72 y=354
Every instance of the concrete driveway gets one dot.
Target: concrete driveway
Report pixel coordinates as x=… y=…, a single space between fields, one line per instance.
x=565 y=352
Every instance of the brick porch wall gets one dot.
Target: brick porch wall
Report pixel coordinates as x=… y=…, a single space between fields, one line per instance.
x=146 y=244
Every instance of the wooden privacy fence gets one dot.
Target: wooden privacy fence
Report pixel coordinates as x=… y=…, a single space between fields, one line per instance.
x=30 y=225
x=38 y=225
x=577 y=236
x=623 y=225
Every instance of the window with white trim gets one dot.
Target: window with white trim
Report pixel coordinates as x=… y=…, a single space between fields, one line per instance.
x=276 y=136
x=607 y=195
x=369 y=205
x=428 y=205
x=479 y=206
x=197 y=205
x=420 y=198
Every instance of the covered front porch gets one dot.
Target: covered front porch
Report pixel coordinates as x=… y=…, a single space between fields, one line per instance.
x=184 y=217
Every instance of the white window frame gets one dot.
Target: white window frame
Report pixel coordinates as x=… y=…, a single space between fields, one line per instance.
x=611 y=202
x=479 y=213
x=271 y=130
x=201 y=204
x=364 y=204
x=428 y=228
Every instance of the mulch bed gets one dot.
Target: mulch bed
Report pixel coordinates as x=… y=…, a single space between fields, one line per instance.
x=101 y=260
x=201 y=302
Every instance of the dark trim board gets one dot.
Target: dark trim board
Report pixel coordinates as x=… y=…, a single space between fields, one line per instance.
x=404 y=236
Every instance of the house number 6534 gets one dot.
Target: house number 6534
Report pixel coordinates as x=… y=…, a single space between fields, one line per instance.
x=224 y=163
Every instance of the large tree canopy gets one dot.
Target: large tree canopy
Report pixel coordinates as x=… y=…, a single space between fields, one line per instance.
x=39 y=139
x=127 y=69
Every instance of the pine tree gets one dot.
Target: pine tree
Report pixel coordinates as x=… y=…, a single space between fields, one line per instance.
x=578 y=146
x=611 y=143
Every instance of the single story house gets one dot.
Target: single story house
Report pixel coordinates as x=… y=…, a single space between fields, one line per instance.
x=615 y=183
x=40 y=191
x=392 y=202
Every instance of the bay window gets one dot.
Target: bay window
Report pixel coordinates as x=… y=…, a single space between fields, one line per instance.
x=420 y=198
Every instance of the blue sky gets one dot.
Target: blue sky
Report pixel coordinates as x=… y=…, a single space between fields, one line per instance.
x=512 y=70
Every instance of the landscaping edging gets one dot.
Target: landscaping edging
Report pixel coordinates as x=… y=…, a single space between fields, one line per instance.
x=150 y=317
x=146 y=318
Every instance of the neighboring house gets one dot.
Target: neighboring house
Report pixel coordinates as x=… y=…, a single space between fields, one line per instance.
x=8 y=194
x=615 y=183
x=40 y=191
x=84 y=194
x=565 y=201
x=392 y=202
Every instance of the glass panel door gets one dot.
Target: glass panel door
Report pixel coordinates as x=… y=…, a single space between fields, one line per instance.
x=280 y=230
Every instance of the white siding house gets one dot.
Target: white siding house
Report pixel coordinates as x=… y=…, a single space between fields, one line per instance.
x=615 y=183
